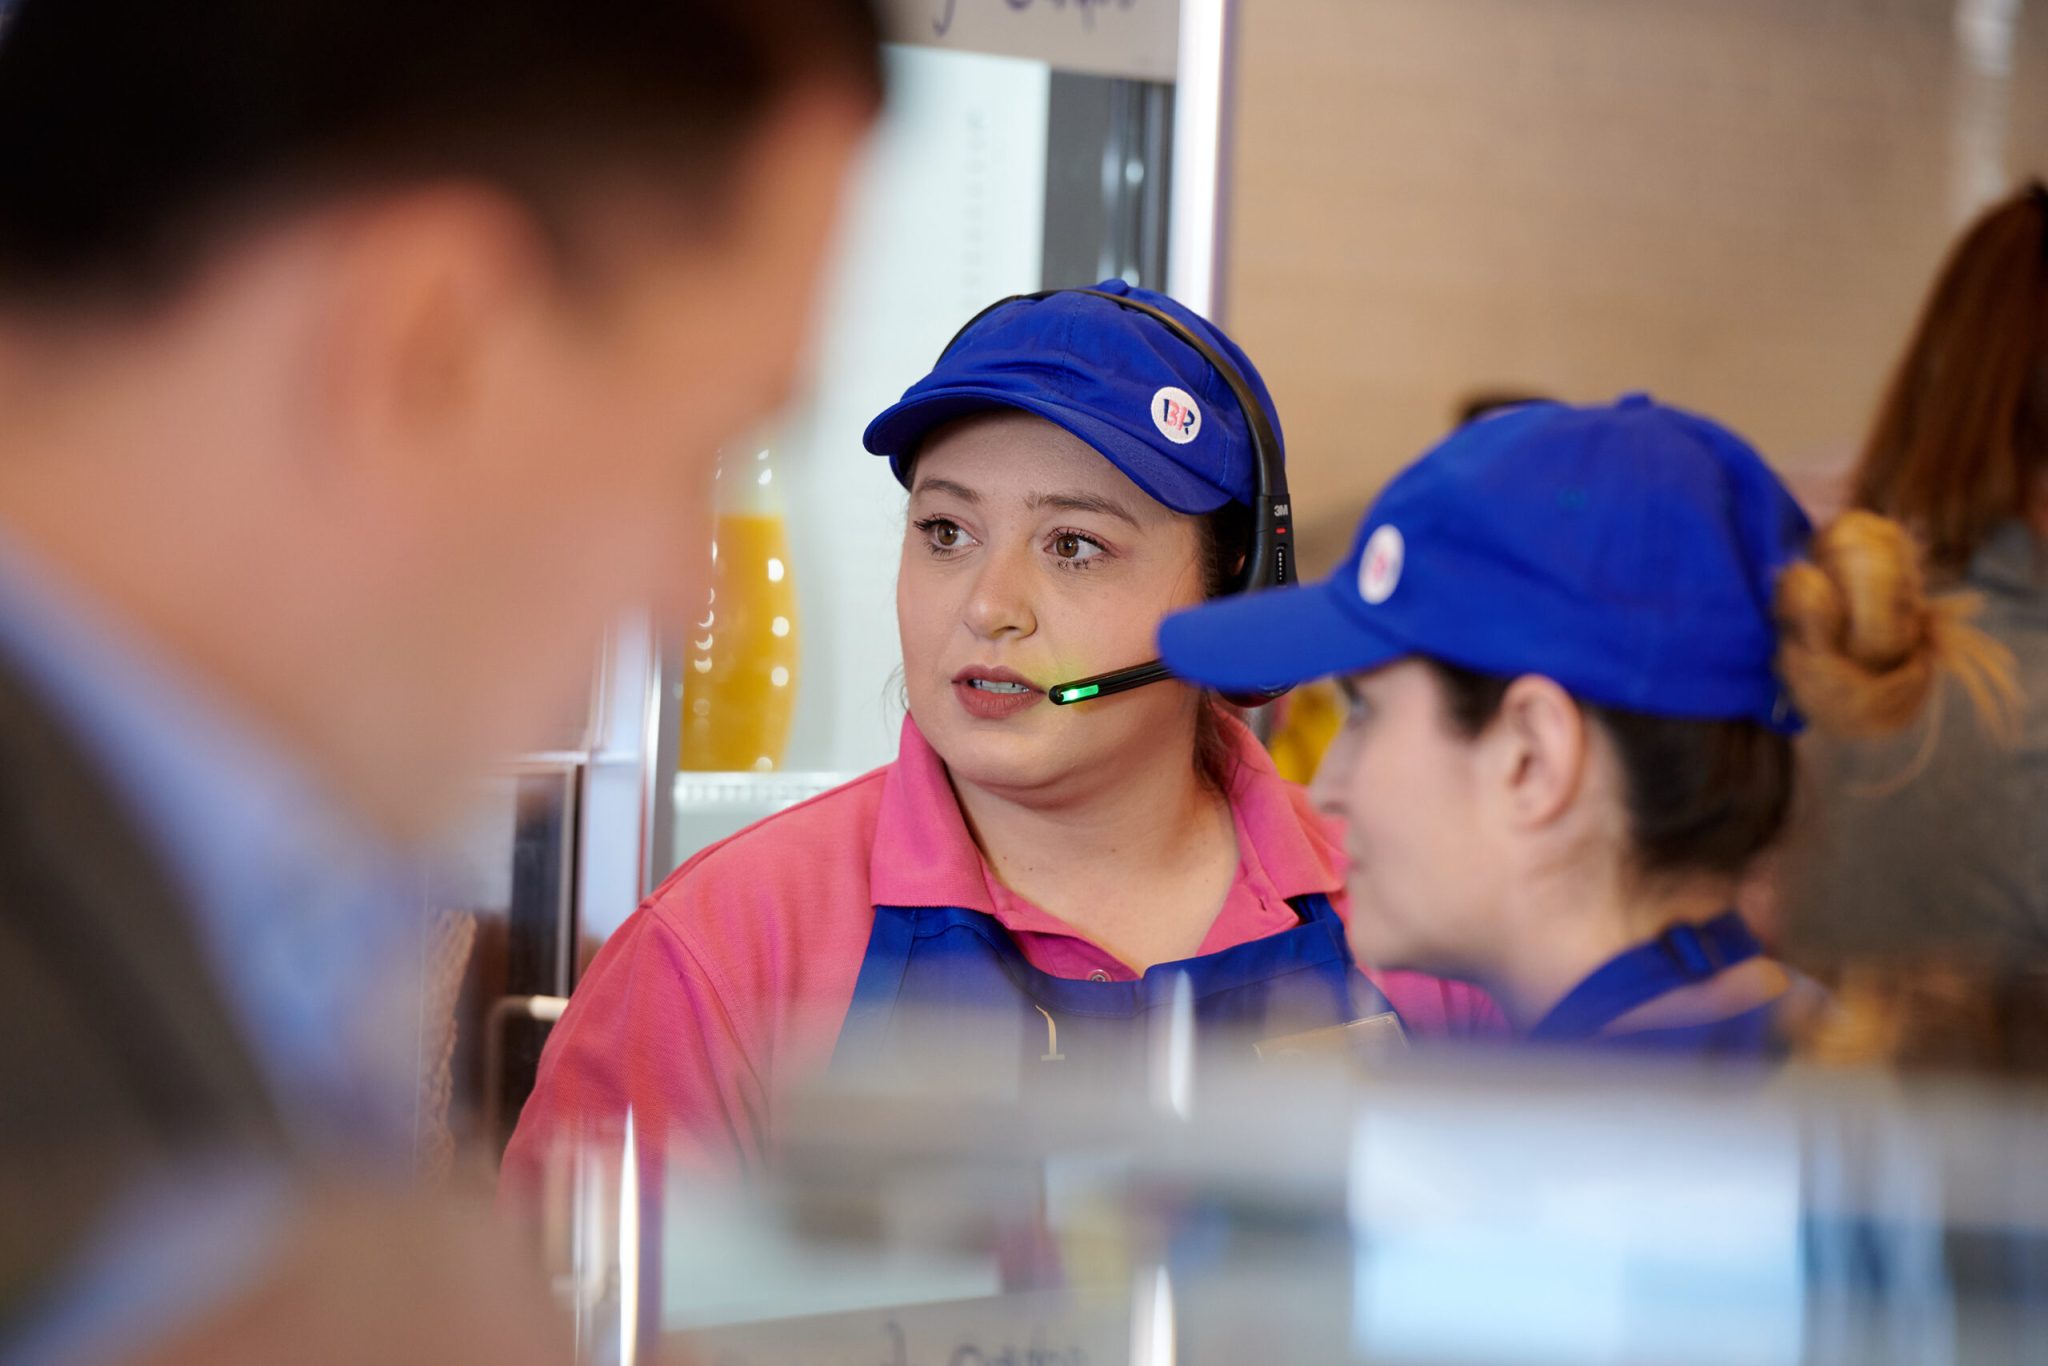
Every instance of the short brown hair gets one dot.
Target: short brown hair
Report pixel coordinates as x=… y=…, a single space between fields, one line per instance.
x=138 y=137
x=1961 y=437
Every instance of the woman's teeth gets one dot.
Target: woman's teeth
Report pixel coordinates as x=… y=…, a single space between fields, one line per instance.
x=990 y=685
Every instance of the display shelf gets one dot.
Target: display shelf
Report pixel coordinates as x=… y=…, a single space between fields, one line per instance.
x=775 y=790
x=712 y=806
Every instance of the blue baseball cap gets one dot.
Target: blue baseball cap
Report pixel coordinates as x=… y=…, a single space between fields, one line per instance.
x=1629 y=552
x=1110 y=375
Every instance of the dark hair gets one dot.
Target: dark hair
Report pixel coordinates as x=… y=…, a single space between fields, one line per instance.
x=1486 y=402
x=1703 y=796
x=1961 y=438
x=1225 y=539
x=137 y=135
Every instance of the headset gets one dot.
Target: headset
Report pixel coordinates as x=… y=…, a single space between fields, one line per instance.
x=1270 y=561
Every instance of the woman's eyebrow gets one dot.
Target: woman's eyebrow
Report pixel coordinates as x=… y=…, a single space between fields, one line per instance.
x=947 y=486
x=1084 y=502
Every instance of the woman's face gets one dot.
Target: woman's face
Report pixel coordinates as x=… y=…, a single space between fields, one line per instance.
x=1028 y=561
x=1407 y=787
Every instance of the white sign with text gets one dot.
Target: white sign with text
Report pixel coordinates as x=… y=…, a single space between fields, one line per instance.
x=1136 y=39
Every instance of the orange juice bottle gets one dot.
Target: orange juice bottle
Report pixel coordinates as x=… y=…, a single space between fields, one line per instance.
x=740 y=657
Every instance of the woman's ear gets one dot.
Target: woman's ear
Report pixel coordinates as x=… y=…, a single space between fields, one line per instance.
x=1540 y=754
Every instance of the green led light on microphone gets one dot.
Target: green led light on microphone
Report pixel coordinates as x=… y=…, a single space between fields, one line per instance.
x=1106 y=685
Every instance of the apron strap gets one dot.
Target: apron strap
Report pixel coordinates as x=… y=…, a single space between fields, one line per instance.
x=1679 y=957
x=1314 y=907
x=881 y=972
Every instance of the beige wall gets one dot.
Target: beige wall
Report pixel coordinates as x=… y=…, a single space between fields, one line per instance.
x=1733 y=203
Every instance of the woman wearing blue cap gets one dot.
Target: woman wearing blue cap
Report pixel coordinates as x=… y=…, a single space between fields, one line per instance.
x=1069 y=845
x=1576 y=643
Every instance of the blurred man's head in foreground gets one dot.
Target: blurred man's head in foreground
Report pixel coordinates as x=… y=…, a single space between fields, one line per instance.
x=369 y=356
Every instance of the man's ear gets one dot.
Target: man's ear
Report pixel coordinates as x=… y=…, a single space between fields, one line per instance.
x=430 y=295
x=1540 y=744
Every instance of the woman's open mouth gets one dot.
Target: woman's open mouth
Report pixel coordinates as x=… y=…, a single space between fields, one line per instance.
x=993 y=694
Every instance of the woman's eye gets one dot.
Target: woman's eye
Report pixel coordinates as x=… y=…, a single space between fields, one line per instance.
x=942 y=534
x=1357 y=711
x=1074 y=548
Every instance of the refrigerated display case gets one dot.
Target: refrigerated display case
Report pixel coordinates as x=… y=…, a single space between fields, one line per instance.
x=1023 y=147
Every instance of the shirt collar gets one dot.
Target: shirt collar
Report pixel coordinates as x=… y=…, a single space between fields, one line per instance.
x=924 y=856
x=1297 y=850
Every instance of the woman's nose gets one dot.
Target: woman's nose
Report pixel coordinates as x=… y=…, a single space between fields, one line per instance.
x=1333 y=775
x=1000 y=604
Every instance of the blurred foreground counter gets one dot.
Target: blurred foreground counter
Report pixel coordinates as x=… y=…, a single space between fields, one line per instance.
x=1483 y=1208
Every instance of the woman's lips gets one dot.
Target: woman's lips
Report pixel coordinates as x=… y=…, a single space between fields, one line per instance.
x=994 y=694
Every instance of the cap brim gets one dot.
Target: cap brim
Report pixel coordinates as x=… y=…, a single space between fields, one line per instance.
x=900 y=429
x=1267 y=641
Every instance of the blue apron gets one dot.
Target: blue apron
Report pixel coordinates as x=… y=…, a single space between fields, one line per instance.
x=1019 y=1027
x=1679 y=957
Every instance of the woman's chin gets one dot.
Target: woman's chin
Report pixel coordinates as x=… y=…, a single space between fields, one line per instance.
x=1041 y=749
x=1001 y=758
x=1374 y=942
x=1010 y=768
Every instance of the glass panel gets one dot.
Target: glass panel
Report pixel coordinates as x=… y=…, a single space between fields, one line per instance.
x=947 y=217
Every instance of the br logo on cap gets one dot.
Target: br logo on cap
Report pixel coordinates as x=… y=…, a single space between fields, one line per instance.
x=1175 y=415
x=1379 y=569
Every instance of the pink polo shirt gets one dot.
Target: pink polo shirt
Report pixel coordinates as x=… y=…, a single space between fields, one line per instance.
x=729 y=986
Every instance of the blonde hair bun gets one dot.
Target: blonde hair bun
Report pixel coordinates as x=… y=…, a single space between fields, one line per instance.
x=1862 y=645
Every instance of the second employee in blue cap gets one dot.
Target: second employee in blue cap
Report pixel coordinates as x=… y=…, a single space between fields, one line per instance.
x=1036 y=894
x=1576 y=644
